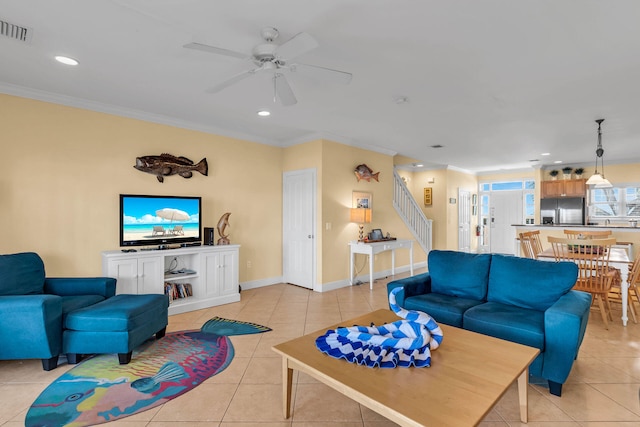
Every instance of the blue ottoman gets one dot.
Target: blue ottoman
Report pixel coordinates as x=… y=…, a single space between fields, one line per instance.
x=116 y=325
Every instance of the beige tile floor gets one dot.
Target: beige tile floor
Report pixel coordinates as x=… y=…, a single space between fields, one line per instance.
x=602 y=390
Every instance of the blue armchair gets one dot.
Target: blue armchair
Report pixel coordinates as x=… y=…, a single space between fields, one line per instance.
x=33 y=307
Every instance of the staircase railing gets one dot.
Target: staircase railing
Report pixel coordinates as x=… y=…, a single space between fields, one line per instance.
x=410 y=212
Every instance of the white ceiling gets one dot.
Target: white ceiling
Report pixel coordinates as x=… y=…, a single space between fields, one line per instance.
x=496 y=82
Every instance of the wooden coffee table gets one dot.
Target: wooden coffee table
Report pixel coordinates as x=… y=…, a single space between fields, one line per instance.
x=468 y=375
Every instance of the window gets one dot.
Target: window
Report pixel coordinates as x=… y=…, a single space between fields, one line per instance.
x=503 y=186
x=525 y=186
x=632 y=198
x=616 y=202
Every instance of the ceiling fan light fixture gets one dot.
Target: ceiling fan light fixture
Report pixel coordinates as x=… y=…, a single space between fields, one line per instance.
x=276 y=59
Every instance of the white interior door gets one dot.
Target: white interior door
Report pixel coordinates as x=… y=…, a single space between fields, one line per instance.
x=506 y=210
x=298 y=228
x=464 y=220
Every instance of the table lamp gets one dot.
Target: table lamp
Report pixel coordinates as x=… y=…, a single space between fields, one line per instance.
x=361 y=216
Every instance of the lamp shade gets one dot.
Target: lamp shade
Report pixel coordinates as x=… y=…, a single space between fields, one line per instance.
x=604 y=184
x=599 y=181
x=596 y=178
x=361 y=215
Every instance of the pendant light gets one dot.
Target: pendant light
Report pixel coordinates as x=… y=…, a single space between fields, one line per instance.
x=598 y=179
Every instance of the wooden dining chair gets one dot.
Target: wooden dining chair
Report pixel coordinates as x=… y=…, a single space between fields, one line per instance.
x=530 y=244
x=633 y=280
x=594 y=273
x=587 y=234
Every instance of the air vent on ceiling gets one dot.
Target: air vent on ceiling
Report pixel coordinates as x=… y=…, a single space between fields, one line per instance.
x=15 y=32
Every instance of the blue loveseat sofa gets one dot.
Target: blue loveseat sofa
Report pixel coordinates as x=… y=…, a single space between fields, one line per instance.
x=521 y=300
x=33 y=307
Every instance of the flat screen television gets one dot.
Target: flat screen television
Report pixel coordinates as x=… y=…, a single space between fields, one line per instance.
x=159 y=220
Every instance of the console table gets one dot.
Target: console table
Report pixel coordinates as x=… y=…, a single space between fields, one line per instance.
x=211 y=272
x=371 y=249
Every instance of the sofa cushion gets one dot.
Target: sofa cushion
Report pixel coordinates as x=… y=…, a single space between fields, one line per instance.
x=119 y=313
x=22 y=274
x=459 y=274
x=519 y=325
x=443 y=308
x=72 y=303
x=529 y=283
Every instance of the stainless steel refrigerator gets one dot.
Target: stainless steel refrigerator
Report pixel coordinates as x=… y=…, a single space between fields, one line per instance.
x=562 y=211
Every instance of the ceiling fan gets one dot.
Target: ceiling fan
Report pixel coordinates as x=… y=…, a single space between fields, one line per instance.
x=274 y=58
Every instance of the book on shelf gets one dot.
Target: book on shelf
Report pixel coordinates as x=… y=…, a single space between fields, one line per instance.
x=177 y=290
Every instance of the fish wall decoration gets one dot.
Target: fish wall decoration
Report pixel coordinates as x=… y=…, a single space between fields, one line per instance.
x=167 y=164
x=365 y=172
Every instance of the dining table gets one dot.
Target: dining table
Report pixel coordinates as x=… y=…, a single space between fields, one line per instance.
x=618 y=258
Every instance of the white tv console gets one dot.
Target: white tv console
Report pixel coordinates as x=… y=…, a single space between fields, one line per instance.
x=212 y=272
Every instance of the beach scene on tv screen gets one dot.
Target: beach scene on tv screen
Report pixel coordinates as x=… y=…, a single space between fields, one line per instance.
x=159 y=218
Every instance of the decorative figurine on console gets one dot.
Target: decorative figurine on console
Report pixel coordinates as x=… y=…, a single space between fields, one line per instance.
x=223 y=223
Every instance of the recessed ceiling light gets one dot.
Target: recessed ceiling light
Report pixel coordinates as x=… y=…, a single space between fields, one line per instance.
x=545 y=154
x=419 y=165
x=558 y=161
x=66 y=60
x=264 y=113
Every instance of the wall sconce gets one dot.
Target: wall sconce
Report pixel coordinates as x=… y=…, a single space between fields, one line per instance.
x=361 y=216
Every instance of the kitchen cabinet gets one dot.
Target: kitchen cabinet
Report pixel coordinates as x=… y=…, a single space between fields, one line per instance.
x=564 y=188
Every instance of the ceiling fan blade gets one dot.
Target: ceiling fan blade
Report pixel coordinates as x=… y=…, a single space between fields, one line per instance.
x=283 y=90
x=322 y=73
x=297 y=45
x=232 y=80
x=217 y=50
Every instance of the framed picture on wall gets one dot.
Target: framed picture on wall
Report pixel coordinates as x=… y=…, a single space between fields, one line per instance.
x=361 y=200
x=427 y=196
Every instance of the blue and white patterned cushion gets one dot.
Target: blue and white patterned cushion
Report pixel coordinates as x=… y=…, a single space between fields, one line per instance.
x=401 y=343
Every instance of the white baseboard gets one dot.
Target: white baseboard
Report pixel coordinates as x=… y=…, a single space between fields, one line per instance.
x=261 y=283
x=331 y=286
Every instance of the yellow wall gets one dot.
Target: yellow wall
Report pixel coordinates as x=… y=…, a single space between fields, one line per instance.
x=336 y=184
x=627 y=173
x=437 y=211
x=445 y=186
x=64 y=168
